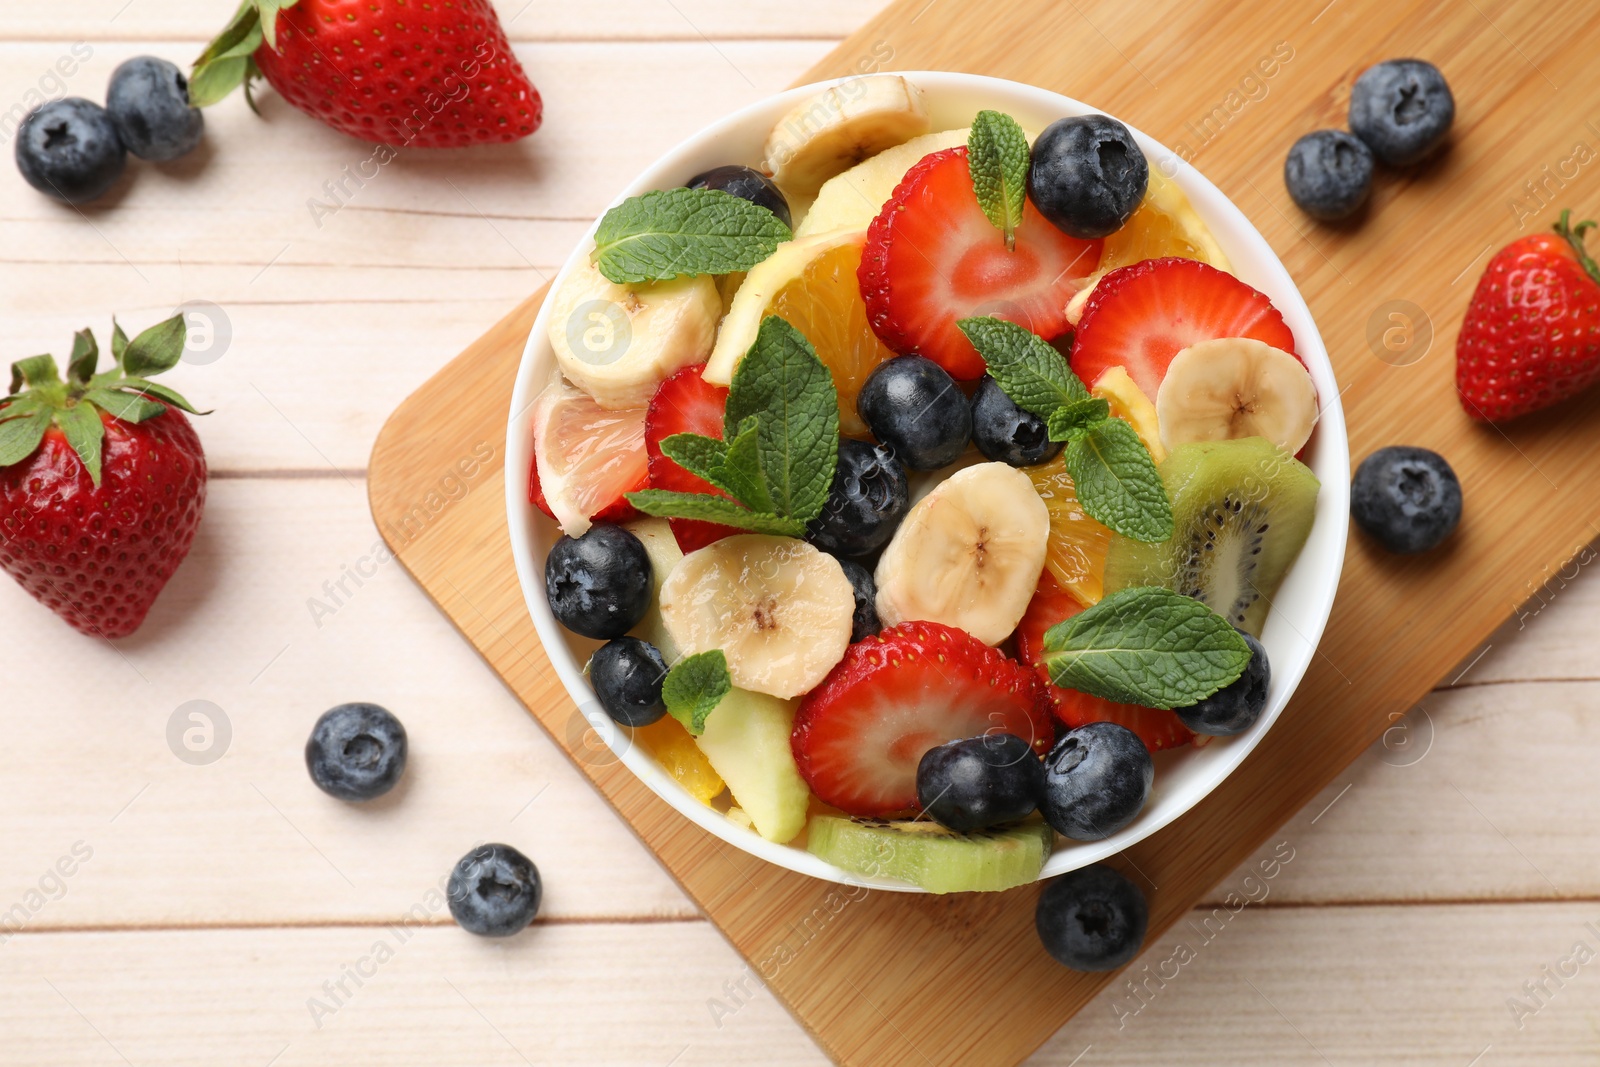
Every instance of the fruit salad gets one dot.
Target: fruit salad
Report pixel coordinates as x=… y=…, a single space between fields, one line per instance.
x=919 y=485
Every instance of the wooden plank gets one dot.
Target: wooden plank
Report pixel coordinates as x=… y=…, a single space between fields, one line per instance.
x=249 y=625
x=1283 y=987
x=191 y=22
x=1448 y=604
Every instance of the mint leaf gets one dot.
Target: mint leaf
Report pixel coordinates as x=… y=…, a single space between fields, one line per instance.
x=741 y=473
x=157 y=349
x=789 y=391
x=997 y=155
x=1146 y=646
x=697 y=454
x=666 y=504
x=1076 y=417
x=1034 y=375
x=695 y=687
x=1117 y=481
x=20 y=436
x=670 y=232
x=85 y=432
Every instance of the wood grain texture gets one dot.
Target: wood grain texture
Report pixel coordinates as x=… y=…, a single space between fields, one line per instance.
x=863 y=989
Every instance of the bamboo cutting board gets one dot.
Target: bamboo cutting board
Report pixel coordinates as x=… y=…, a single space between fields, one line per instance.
x=890 y=979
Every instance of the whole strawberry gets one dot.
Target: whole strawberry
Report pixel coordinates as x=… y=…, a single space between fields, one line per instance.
x=394 y=72
x=1531 y=337
x=102 y=480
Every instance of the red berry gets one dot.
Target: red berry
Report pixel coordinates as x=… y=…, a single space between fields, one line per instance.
x=932 y=257
x=98 y=556
x=1051 y=604
x=1140 y=316
x=859 y=735
x=685 y=403
x=1531 y=336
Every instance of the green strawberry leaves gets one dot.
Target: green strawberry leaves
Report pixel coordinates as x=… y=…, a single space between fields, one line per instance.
x=1115 y=477
x=780 y=447
x=1146 y=646
x=229 y=60
x=997 y=156
x=670 y=232
x=694 y=687
x=39 y=398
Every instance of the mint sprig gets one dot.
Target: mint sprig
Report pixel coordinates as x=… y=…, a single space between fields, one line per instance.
x=1112 y=471
x=1146 y=646
x=694 y=687
x=671 y=232
x=997 y=156
x=780 y=443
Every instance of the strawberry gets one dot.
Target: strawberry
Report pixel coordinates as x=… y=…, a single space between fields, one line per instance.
x=685 y=403
x=932 y=257
x=859 y=735
x=1531 y=336
x=1142 y=315
x=102 y=480
x=1051 y=604
x=400 y=74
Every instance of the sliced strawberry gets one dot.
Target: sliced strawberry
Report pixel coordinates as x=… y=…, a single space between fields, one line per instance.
x=933 y=257
x=1051 y=604
x=685 y=403
x=859 y=735
x=1142 y=315
x=592 y=457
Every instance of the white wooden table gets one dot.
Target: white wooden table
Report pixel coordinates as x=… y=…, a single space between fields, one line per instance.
x=228 y=913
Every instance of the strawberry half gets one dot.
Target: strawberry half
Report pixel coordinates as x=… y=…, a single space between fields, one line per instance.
x=859 y=735
x=932 y=257
x=1140 y=316
x=685 y=403
x=1051 y=604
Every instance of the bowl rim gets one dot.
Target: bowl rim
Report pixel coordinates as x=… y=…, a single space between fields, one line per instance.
x=1232 y=229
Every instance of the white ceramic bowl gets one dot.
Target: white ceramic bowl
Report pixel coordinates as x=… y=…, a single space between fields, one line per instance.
x=1298 y=616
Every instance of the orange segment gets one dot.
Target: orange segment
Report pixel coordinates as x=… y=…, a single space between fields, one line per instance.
x=1076 y=553
x=824 y=303
x=680 y=757
x=1164 y=224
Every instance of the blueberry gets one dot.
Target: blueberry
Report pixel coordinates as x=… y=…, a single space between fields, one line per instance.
x=1096 y=780
x=1234 y=708
x=1408 y=499
x=494 y=891
x=149 y=101
x=1004 y=432
x=1092 y=919
x=70 y=150
x=627 y=674
x=979 y=782
x=868 y=499
x=1087 y=175
x=356 y=751
x=599 y=584
x=1402 y=109
x=864 y=623
x=912 y=405
x=746 y=184
x=1329 y=174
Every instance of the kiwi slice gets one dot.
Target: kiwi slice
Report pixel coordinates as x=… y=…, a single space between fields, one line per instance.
x=1242 y=510
x=927 y=854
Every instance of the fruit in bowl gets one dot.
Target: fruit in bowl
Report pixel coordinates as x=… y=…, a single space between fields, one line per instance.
x=944 y=510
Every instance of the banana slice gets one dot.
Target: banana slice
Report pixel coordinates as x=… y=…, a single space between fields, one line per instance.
x=617 y=342
x=749 y=306
x=837 y=128
x=1236 y=387
x=968 y=555
x=779 y=609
